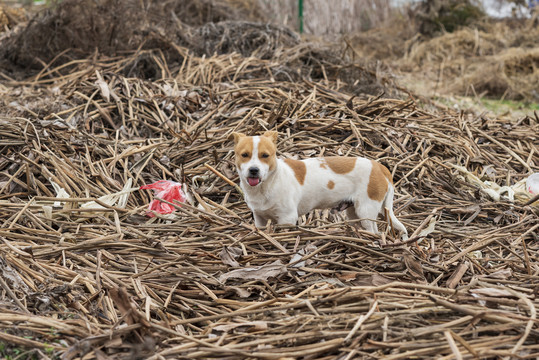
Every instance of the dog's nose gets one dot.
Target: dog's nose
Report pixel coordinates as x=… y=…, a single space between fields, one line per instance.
x=253 y=171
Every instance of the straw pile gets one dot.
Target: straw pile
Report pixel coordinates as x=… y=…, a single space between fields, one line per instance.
x=494 y=59
x=497 y=61
x=85 y=273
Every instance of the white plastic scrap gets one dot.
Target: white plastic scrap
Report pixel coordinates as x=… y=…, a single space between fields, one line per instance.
x=118 y=199
x=61 y=193
x=494 y=191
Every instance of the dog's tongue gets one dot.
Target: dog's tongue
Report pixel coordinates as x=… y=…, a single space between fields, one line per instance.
x=253 y=181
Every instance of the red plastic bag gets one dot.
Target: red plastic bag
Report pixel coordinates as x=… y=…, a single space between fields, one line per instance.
x=166 y=190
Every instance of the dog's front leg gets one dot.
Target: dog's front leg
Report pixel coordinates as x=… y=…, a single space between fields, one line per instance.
x=290 y=217
x=259 y=220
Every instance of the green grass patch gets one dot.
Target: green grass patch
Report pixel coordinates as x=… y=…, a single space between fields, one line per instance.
x=498 y=106
x=511 y=108
x=15 y=352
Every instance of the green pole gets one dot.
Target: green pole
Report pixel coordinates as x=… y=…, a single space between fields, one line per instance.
x=300 y=15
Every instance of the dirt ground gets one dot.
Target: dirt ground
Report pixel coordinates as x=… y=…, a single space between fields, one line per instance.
x=94 y=105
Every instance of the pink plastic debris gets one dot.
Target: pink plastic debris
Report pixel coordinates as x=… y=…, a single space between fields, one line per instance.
x=532 y=184
x=166 y=190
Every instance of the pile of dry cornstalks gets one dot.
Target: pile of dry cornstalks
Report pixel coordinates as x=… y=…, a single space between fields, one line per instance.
x=86 y=274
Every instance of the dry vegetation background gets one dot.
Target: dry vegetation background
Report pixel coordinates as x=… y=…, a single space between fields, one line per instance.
x=98 y=98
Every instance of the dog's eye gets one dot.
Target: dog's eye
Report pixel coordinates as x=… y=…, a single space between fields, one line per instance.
x=265 y=156
x=245 y=155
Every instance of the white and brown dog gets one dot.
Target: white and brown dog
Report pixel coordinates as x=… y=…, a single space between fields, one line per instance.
x=282 y=190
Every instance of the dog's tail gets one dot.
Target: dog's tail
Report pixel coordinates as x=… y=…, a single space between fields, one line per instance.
x=392 y=219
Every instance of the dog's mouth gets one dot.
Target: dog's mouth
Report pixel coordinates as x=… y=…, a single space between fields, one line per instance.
x=253 y=181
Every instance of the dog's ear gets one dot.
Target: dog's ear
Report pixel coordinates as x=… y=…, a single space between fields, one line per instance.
x=236 y=136
x=272 y=135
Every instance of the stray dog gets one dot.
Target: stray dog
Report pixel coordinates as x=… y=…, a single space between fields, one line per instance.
x=282 y=190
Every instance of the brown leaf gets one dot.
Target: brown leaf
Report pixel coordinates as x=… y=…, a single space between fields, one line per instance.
x=414 y=268
x=294 y=261
x=257 y=273
x=378 y=279
x=347 y=275
x=228 y=170
x=502 y=274
x=372 y=280
x=240 y=112
x=229 y=255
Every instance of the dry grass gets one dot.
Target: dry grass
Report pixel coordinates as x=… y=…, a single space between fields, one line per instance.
x=496 y=62
x=494 y=59
x=107 y=282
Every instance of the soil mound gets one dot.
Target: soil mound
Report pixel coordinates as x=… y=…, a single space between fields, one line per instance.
x=161 y=33
x=245 y=38
x=76 y=29
x=461 y=44
x=512 y=74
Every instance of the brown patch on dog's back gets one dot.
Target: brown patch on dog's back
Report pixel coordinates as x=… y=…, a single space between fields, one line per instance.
x=267 y=146
x=341 y=164
x=300 y=170
x=378 y=180
x=331 y=184
x=386 y=173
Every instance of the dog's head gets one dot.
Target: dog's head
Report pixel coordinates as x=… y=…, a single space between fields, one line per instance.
x=255 y=156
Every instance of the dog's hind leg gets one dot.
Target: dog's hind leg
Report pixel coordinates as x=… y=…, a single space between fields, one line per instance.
x=368 y=211
x=366 y=223
x=351 y=215
x=392 y=219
